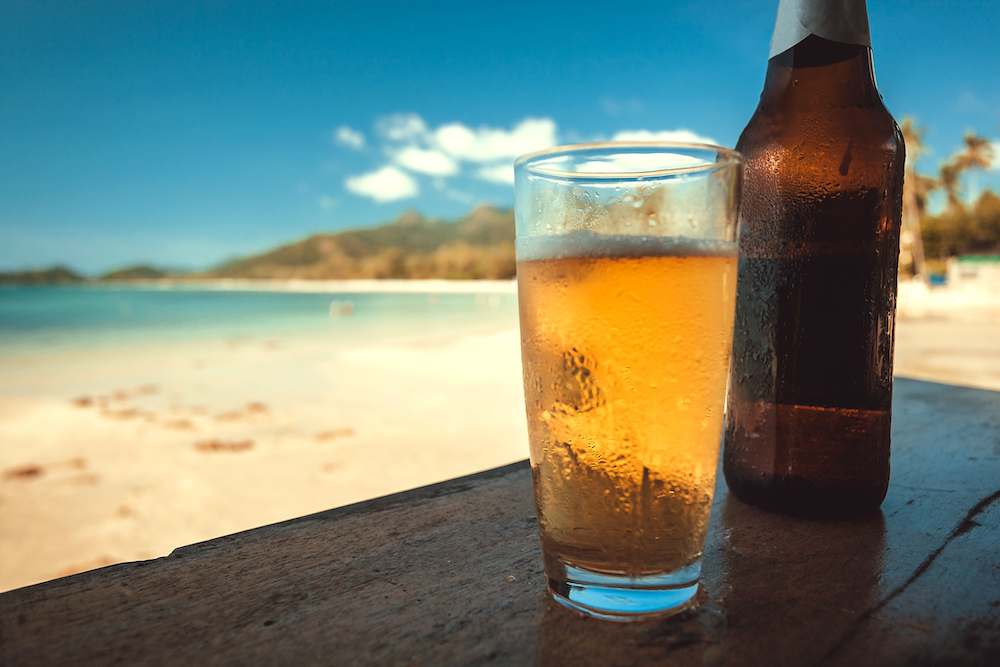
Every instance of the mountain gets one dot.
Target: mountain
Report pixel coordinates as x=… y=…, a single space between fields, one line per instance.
x=52 y=276
x=480 y=245
x=140 y=272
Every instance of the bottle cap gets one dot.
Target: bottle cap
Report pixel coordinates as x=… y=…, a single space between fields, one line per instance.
x=844 y=21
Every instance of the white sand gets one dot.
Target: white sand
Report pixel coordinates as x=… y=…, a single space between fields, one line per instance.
x=183 y=443
x=949 y=335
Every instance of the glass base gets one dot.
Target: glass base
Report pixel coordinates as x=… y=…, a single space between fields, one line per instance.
x=618 y=597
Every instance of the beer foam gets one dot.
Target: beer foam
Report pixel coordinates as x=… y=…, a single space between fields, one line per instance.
x=585 y=243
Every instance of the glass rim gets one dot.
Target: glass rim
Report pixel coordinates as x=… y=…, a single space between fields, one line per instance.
x=727 y=155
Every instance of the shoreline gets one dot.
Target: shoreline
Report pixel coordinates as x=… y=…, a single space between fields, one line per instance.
x=303 y=286
x=915 y=298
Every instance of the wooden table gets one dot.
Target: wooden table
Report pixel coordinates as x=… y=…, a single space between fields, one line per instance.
x=451 y=574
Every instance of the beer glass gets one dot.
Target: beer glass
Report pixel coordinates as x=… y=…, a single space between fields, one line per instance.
x=626 y=272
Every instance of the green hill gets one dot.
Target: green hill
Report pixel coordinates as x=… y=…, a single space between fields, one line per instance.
x=53 y=276
x=140 y=272
x=478 y=246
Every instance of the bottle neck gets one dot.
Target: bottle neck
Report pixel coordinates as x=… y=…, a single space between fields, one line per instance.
x=821 y=72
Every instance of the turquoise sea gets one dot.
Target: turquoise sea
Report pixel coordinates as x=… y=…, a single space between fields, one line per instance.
x=66 y=318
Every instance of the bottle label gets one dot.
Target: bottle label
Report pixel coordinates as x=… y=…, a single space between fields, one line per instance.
x=844 y=21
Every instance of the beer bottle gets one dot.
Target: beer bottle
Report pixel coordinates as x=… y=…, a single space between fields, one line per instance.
x=810 y=390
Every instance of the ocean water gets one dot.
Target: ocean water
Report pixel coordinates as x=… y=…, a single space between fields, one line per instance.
x=36 y=320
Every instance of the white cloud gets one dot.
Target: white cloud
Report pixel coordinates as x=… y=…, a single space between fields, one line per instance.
x=326 y=203
x=995 y=146
x=383 y=185
x=423 y=161
x=683 y=136
x=488 y=144
x=455 y=138
x=497 y=173
x=414 y=149
x=346 y=136
x=403 y=127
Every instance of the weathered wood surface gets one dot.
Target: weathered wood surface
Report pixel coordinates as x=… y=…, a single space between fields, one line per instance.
x=451 y=574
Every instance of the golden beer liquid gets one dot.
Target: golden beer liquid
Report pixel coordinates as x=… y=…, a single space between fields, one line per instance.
x=625 y=365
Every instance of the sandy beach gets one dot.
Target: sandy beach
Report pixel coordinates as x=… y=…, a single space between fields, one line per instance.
x=127 y=453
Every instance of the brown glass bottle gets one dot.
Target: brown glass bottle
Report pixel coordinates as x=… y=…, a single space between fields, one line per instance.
x=810 y=393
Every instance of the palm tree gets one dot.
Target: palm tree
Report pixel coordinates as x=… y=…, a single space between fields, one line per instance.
x=915 y=191
x=950 y=171
x=978 y=153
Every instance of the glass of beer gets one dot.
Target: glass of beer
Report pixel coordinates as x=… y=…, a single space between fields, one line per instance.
x=626 y=273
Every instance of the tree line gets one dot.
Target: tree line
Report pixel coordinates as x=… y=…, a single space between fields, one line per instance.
x=960 y=228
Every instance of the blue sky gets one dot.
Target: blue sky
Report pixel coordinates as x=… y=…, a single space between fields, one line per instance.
x=185 y=133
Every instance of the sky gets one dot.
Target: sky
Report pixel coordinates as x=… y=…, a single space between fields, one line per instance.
x=184 y=134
